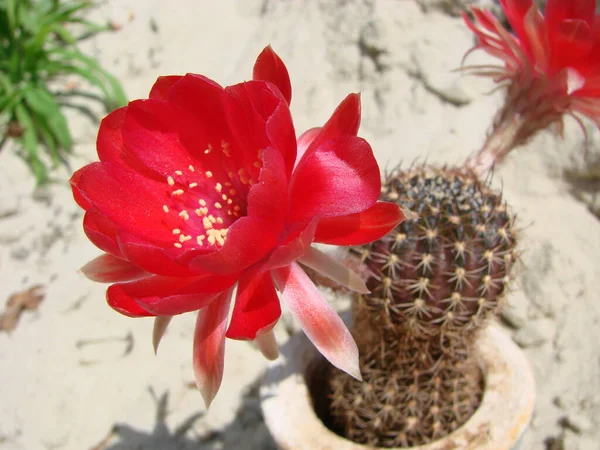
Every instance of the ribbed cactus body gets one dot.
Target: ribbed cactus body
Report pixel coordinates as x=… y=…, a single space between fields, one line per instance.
x=434 y=281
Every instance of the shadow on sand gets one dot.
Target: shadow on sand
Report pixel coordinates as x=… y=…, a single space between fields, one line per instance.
x=247 y=431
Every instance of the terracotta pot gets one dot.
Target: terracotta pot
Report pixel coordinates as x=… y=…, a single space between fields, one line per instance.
x=498 y=423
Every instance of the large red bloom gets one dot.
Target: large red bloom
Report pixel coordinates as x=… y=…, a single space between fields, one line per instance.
x=551 y=64
x=200 y=189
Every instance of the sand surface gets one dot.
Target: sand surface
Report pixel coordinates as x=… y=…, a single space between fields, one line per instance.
x=76 y=375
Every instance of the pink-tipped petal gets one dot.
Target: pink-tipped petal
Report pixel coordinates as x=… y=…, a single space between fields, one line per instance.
x=535 y=29
x=267 y=344
x=110 y=269
x=319 y=321
x=160 y=326
x=209 y=346
x=333 y=269
x=269 y=67
x=360 y=228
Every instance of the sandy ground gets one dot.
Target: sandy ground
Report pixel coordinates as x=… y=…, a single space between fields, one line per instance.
x=76 y=375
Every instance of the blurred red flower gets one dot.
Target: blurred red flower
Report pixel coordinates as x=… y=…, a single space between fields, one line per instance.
x=551 y=63
x=200 y=189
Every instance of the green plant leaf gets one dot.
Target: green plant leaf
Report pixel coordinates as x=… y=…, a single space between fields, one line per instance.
x=94 y=73
x=11 y=12
x=64 y=34
x=30 y=143
x=43 y=103
x=37 y=44
x=49 y=141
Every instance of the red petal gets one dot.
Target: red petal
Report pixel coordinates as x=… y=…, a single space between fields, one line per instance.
x=162 y=87
x=340 y=177
x=319 y=321
x=252 y=237
x=77 y=194
x=267 y=200
x=269 y=67
x=345 y=120
x=256 y=306
x=209 y=346
x=557 y=11
x=281 y=133
x=202 y=99
x=248 y=241
x=109 y=269
x=296 y=247
x=304 y=142
x=126 y=198
x=515 y=11
x=360 y=228
x=259 y=118
x=154 y=259
x=123 y=303
x=102 y=232
x=109 y=143
x=167 y=296
x=154 y=136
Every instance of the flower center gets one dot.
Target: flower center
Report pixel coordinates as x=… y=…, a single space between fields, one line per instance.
x=203 y=204
x=199 y=218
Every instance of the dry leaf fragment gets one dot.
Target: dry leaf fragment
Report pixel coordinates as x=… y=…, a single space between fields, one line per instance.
x=18 y=302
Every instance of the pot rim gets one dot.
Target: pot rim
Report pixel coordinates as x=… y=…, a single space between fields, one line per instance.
x=498 y=423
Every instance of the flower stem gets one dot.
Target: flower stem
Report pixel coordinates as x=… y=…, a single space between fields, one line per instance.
x=499 y=142
x=531 y=105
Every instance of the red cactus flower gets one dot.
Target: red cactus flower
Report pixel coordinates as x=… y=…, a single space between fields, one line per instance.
x=551 y=68
x=201 y=188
